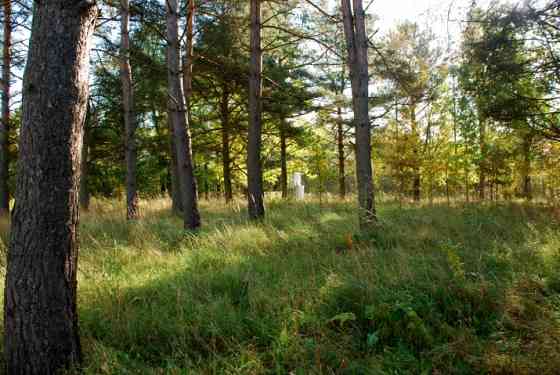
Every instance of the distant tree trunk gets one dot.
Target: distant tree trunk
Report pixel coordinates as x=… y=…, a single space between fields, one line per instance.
x=181 y=133
x=416 y=182
x=5 y=123
x=341 y=154
x=356 y=43
x=40 y=315
x=254 y=168
x=283 y=159
x=482 y=163
x=526 y=169
x=129 y=114
x=226 y=152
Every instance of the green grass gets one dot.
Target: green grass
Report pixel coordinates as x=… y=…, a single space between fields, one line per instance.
x=434 y=290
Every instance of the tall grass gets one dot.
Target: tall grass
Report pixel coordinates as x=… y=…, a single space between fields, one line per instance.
x=434 y=290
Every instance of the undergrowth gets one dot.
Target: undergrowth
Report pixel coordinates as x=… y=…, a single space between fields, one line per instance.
x=431 y=290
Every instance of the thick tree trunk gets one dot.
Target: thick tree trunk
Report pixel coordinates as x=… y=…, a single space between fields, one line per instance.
x=40 y=315
x=341 y=154
x=226 y=152
x=176 y=105
x=132 y=211
x=283 y=159
x=254 y=168
x=5 y=123
x=356 y=43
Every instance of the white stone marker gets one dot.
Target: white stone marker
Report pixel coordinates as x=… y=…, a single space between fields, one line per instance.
x=298 y=186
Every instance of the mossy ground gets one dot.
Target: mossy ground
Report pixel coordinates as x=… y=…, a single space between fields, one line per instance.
x=432 y=290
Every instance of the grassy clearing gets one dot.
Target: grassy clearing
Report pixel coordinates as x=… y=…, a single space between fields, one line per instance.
x=435 y=290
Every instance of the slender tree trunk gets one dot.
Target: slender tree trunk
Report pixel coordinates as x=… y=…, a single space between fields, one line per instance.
x=40 y=315
x=482 y=163
x=283 y=159
x=526 y=169
x=5 y=123
x=176 y=105
x=226 y=152
x=341 y=154
x=356 y=43
x=416 y=182
x=129 y=114
x=254 y=168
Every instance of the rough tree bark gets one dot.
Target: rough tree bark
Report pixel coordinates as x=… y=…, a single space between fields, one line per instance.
x=356 y=43
x=40 y=316
x=254 y=167
x=177 y=114
x=226 y=152
x=341 y=154
x=132 y=211
x=283 y=158
x=5 y=123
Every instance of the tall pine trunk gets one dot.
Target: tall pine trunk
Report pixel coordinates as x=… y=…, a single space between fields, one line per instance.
x=283 y=158
x=254 y=168
x=341 y=154
x=5 y=123
x=226 y=152
x=356 y=43
x=40 y=315
x=177 y=113
x=132 y=211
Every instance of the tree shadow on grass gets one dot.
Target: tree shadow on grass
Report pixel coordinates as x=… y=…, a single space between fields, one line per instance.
x=430 y=287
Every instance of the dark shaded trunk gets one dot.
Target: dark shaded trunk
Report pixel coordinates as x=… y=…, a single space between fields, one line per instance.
x=5 y=123
x=526 y=169
x=226 y=152
x=132 y=211
x=40 y=315
x=341 y=154
x=283 y=159
x=177 y=113
x=254 y=168
x=356 y=43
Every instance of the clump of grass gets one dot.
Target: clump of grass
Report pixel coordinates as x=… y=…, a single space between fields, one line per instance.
x=454 y=290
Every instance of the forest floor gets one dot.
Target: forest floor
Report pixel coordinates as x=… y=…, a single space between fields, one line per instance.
x=434 y=290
